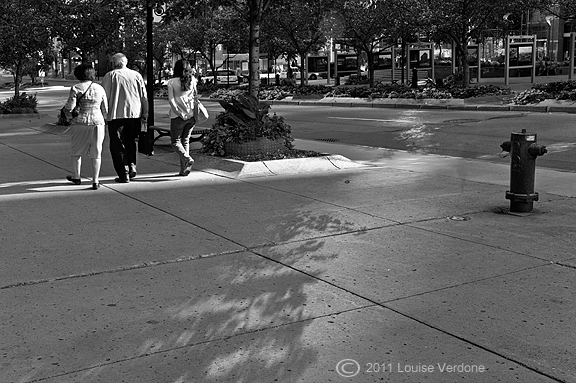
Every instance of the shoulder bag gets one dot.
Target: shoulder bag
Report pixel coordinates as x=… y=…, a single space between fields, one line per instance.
x=200 y=112
x=62 y=119
x=145 y=140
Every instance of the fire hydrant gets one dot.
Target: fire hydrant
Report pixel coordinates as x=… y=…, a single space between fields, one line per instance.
x=523 y=150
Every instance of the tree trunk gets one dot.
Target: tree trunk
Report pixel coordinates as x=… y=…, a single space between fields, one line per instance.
x=462 y=48
x=17 y=79
x=370 y=56
x=302 y=72
x=466 y=71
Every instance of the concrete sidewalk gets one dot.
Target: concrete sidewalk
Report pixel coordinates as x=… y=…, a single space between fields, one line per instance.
x=398 y=267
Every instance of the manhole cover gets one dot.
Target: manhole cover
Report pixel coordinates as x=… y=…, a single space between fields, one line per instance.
x=458 y=218
x=327 y=139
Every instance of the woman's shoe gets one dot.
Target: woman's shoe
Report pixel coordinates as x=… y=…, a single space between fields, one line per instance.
x=188 y=167
x=95 y=186
x=75 y=181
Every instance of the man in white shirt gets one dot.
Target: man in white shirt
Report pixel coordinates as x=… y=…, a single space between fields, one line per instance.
x=127 y=109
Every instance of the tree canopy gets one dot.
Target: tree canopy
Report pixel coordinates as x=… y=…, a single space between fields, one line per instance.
x=288 y=28
x=25 y=36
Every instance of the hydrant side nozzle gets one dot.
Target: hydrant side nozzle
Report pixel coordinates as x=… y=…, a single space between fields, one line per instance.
x=506 y=146
x=536 y=150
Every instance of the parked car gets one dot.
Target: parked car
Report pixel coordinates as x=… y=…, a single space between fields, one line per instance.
x=264 y=73
x=295 y=73
x=223 y=77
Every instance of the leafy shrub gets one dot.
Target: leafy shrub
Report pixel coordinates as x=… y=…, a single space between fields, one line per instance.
x=160 y=91
x=356 y=80
x=476 y=91
x=531 y=96
x=24 y=101
x=288 y=82
x=245 y=118
x=271 y=92
x=556 y=87
x=226 y=93
x=305 y=90
x=559 y=90
x=567 y=95
x=209 y=88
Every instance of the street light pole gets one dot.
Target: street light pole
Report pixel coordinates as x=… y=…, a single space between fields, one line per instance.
x=149 y=62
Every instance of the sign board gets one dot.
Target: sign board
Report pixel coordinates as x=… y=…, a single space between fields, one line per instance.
x=420 y=56
x=520 y=53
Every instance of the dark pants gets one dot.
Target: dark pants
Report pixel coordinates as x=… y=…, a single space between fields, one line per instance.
x=123 y=133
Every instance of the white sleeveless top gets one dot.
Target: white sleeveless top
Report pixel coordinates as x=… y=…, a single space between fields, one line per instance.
x=181 y=102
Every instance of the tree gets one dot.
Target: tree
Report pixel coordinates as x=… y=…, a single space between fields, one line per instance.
x=87 y=27
x=300 y=23
x=563 y=9
x=199 y=27
x=368 y=25
x=461 y=21
x=26 y=30
x=200 y=34
x=252 y=12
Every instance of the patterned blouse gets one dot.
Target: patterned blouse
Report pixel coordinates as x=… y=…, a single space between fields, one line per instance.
x=93 y=106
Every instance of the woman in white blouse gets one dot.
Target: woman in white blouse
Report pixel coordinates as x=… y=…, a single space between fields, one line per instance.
x=182 y=93
x=87 y=128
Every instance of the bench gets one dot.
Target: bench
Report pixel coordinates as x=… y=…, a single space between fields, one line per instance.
x=197 y=133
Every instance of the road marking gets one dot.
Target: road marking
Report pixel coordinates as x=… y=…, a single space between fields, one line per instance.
x=368 y=119
x=560 y=147
x=17 y=134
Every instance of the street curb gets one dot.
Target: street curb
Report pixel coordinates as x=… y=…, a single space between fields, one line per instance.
x=23 y=115
x=529 y=108
x=418 y=104
x=452 y=104
x=561 y=109
x=231 y=168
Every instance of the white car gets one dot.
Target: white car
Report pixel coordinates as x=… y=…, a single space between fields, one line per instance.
x=295 y=74
x=265 y=74
x=223 y=77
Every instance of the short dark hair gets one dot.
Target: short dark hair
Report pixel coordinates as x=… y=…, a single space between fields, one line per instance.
x=85 y=72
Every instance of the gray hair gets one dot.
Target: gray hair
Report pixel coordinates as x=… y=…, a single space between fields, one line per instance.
x=119 y=60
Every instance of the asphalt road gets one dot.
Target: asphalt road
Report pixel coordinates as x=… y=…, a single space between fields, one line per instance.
x=466 y=134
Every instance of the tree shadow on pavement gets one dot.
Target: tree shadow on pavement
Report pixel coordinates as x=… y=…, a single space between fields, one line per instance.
x=238 y=317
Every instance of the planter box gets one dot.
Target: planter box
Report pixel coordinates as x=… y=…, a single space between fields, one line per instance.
x=259 y=146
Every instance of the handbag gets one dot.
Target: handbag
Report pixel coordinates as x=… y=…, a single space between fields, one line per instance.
x=63 y=119
x=145 y=142
x=200 y=112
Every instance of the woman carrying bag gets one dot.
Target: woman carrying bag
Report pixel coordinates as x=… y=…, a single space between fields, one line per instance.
x=86 y=105
x=182 y=93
